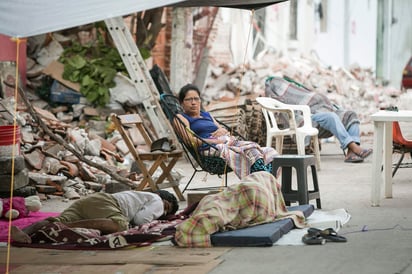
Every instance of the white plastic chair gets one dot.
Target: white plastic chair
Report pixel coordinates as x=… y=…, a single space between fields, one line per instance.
x=271 y=106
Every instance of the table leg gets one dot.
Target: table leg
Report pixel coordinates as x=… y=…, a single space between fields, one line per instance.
x=377 y=162
x=387 y=157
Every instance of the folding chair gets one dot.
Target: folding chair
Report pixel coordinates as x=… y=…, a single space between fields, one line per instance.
x=400 y=145
x=166 y=160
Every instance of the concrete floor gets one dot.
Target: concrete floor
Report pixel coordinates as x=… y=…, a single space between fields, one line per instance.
x=385 y=247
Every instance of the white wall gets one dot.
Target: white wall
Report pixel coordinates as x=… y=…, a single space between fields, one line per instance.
x=360 y=23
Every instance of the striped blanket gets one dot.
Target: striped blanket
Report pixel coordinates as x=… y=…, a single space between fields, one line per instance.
x=257 y=199
x=241 y=155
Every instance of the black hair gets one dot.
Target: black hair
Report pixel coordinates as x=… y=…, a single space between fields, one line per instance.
x=166 y=195
x=185 y=89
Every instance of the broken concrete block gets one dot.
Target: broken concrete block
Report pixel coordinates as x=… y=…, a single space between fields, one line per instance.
x=93 y=147
x=53 y=166
x=35 y=158
x=93 y=186
x=114 y=186
x=42 y=179
x=20 y=179
x=6 y=164
x=70 y=193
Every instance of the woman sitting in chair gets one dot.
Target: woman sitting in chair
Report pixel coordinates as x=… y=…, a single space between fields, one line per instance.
x=244 y=157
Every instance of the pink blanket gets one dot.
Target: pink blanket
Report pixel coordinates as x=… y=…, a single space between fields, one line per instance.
x=23 y=222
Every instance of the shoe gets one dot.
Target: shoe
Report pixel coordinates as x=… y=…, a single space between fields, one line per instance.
x=328 y=234
x=365 y=153
x=161 y=144
x=311 y=239
x=353 y=158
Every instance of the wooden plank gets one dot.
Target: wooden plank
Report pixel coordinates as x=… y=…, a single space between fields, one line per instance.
x=159 y=255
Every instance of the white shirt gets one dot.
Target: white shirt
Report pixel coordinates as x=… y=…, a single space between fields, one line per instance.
x=139 y=207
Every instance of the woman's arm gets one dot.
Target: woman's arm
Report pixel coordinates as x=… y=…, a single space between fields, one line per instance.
x=191 y=138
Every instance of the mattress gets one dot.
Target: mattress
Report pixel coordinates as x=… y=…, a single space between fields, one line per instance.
x=259 y=235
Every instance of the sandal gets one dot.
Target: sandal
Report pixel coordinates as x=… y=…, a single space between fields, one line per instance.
x=365 y=153
x=310 y=239
x=328 y=234
x=353 y=158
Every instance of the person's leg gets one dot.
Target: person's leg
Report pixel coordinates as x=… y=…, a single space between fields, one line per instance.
x=22 y=235
x=354 y=131
x=99 y=211
x=349 y=139
x=330 y=121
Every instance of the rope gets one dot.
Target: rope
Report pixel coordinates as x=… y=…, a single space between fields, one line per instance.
x=237 y=95
x=13 y=153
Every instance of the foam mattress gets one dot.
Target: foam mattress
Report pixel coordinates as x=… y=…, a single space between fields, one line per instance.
x=259 y=235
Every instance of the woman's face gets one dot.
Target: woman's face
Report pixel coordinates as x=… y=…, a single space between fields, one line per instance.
x=191 y=103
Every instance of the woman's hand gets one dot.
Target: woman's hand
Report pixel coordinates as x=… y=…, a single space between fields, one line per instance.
x=220 y=132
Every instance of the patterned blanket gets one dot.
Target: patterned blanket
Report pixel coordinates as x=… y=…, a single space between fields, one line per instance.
x=255 y=200
x=21 y=223
x=59 y=236
x=241 y=155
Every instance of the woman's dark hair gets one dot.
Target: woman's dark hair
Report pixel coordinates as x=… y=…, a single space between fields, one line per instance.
x=185 y=89
x=166 y=195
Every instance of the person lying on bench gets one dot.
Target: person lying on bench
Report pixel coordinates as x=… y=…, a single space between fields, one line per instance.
x=108 y=213
x=329 y=119
x=244 y=157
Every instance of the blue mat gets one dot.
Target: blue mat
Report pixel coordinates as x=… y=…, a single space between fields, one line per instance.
x=260 y=235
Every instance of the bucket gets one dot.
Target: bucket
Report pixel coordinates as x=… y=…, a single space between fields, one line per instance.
x=9 y=139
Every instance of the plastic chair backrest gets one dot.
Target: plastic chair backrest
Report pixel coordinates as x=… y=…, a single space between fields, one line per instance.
x=269 y=107
x=398 y=137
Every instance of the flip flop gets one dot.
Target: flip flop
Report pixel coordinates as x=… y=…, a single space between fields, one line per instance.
x=353 y=158
x=313 y=239
x=365 y=153
x=328 y=234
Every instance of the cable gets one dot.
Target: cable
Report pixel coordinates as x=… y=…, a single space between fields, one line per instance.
x=366 y=229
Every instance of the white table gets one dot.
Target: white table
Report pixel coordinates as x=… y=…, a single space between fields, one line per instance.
x=382 y=150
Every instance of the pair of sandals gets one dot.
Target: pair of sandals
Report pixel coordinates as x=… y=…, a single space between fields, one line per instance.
x=316 y=236
x=358 y=158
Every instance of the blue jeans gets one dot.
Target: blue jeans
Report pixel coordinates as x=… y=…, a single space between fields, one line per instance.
x=331 y=121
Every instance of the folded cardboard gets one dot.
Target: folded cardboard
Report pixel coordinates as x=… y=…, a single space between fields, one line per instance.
x=55 y=70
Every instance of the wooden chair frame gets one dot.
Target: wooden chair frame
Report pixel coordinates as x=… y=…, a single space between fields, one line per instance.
x=165 y=160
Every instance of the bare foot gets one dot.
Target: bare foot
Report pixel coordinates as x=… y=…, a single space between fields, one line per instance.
x=19 y=235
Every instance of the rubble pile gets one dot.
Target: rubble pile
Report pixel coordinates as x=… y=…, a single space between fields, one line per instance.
x=231 y=89
x=50 y=166
x=51 y=169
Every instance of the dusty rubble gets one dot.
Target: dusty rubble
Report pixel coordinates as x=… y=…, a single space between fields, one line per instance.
x=53 y=169
x=354 y=88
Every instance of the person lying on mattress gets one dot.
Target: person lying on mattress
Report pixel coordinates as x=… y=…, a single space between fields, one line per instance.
x=256 y=199
x=244 y=157
x=108 y=213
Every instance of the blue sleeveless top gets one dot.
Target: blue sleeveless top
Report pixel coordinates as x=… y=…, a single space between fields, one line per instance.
x=203 y=126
